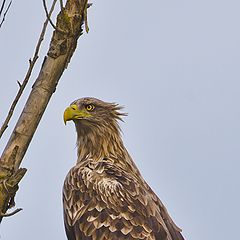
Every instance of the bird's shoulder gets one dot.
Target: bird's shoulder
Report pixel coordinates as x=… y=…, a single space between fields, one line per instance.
x=108 y=182
x=106 y=197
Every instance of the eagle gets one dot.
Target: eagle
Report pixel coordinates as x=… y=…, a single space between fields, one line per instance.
x=104 y=195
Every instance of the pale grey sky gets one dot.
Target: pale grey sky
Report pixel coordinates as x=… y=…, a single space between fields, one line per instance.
x=174 y=65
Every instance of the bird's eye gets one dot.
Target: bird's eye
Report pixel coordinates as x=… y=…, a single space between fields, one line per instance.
x=89 y=107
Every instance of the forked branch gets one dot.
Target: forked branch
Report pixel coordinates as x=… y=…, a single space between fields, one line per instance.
x=28 y=74
x=62 y=47
x=6 y=11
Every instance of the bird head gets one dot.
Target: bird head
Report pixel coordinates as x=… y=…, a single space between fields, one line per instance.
x=96 y=122
x=91 y=111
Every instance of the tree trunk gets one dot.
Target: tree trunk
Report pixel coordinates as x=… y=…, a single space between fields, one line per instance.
x=62 y=46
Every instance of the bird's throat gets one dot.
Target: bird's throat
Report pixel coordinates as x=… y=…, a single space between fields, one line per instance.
x=98 y=144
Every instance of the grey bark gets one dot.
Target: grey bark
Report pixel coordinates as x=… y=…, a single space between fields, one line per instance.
x=63 y=44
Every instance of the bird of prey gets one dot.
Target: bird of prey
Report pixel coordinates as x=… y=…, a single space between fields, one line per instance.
x=104 y=195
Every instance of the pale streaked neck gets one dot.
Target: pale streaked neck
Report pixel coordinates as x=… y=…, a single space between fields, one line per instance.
x=99 y=142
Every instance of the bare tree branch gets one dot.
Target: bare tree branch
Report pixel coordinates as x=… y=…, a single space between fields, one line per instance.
x=28 y=74
x=2 y=7
x=11 y=213
x=49 y=17
x=61 y=4
x=62 y=47
x=5 y=13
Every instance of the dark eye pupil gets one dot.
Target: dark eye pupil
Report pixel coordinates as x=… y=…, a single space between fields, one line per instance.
x=89 y=107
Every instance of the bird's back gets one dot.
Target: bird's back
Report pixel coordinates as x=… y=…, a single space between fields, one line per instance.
x=104 y=201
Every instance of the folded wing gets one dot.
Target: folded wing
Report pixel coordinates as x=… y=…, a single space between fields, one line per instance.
x=102 y=201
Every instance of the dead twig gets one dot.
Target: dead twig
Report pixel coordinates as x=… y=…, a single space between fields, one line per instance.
x=28 y=74
x=11 y=213
x=2 y=7
x=49 y=17
x=9 y=181
x=61 y=4
x=5 y=13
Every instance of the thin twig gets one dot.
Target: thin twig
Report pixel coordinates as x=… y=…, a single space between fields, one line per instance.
x=11 y=213
x=2 y=7
x=50 y=20
x=28 y=74
x=61 y=5
x=5 y=13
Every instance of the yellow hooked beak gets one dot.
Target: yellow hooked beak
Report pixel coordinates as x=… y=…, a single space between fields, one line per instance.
x=73 y=113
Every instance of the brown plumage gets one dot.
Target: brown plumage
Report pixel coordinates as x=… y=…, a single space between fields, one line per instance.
x=104 y=194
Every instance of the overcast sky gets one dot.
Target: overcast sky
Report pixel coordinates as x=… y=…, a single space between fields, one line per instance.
x=174 y=65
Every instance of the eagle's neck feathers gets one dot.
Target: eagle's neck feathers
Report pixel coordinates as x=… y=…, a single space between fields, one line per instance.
x=99 y=141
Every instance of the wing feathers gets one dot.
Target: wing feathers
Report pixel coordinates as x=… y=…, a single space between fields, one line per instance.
x=103 y=202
